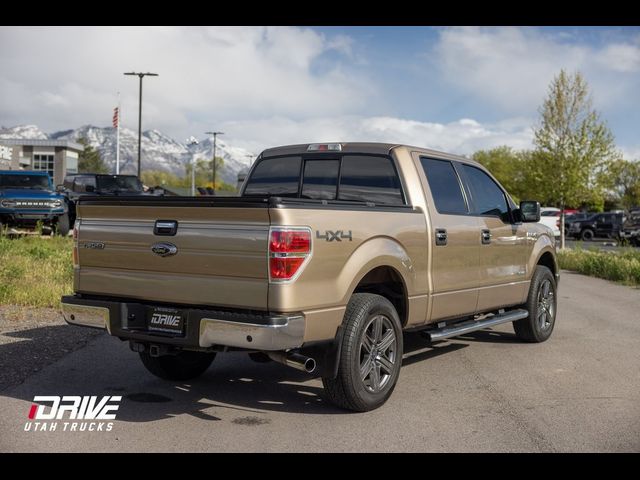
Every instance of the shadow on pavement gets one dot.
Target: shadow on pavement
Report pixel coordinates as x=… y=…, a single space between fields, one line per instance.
x=234 y=388
x=32 y=349
x=490 y=336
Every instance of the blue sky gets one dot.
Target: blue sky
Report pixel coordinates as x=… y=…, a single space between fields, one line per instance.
x=451 y=88
x=406 y=63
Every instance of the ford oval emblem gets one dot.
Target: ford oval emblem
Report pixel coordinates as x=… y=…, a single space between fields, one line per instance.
x=164 y=249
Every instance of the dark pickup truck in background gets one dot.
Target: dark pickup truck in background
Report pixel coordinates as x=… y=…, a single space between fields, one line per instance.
x=604 y=225
x=631 y=227
x=79 y=185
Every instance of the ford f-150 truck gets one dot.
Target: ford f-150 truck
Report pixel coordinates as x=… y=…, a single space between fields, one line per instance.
x=329 y=253
x=27 y=198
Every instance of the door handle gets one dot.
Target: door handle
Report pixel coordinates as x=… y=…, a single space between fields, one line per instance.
x=486 y=237
x=441 y=236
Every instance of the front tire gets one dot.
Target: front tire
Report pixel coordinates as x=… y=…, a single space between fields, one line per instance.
x=541 y=305
x=62 y=226
x=371 y=355
x=183 y=366
x=587 y=235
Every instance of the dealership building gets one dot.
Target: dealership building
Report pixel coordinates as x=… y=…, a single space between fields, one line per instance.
x=57 y=157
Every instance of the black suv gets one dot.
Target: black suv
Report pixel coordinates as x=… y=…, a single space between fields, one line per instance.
x=607 y=225
x=631 y=227
x=82 y=184
x=572 y=218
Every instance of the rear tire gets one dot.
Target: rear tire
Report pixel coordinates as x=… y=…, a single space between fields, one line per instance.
x=541 y=305
x=371 y=355
x=183 y=366
x=587 y=235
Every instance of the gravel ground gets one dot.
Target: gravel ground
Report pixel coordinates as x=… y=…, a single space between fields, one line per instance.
x=32 y=338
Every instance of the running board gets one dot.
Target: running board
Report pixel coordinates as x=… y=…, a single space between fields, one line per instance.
x=473 y=325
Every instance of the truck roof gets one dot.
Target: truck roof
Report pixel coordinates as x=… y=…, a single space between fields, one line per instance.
x=361 y=147
x=40 y=173
x=100 y=175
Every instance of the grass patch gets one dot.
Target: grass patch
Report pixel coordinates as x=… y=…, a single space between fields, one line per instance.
x=622 y=266
x=35 y=271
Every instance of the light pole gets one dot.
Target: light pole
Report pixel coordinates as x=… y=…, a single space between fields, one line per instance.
x=215 y=135
x=193 y=141
x=250 y=157
x=141 y=76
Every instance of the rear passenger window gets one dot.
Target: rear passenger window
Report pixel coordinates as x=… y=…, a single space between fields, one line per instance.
x=487 y=195
x=367 y=178
x=444 y=185
x=275 y=176
x=320 y=179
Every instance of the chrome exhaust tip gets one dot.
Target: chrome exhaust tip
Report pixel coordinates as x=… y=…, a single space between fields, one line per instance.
x=294 y=360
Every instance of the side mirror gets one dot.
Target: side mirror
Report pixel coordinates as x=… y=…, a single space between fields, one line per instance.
x=89 y=188
x=60 y=188
x=530 y=211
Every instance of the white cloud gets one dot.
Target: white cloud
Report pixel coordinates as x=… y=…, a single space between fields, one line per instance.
x=512 y=67
x=61 y=77
x=278 y=85
x=631 y=153
x=464 y=136
x=621 y=57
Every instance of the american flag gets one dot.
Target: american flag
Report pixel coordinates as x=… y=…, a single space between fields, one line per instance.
x=116 y=117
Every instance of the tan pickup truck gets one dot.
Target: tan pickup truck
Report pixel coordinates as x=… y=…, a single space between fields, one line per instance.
x=327 y=255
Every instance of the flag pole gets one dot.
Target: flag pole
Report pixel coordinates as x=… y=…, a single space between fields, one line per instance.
x=118 y=138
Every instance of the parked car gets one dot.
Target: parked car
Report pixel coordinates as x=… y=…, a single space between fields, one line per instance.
x=27 y=198
x=550 y=216
x=631 y=227
x=573 y=217
x=79 y=185
x=603 y=225
x=330 y=252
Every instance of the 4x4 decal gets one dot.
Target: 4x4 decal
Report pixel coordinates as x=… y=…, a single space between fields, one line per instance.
x=338 y=235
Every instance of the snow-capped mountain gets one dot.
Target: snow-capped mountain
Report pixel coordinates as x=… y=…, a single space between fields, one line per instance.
x=28 y=132
x=159 y=151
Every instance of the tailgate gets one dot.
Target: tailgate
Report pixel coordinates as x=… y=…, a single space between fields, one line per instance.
x=220 y=258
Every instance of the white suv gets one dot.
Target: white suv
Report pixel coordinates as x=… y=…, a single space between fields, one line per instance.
x=549 y=216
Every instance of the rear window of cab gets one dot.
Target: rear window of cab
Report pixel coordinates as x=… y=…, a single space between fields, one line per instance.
x=358 y=178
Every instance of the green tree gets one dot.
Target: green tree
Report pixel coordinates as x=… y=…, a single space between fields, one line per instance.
x=155 y=178
x=507 y=166
x=204 y=174
x=574 y=147
x=626 y=180
x=89 y=160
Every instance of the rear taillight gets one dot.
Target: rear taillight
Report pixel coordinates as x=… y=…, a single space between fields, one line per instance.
x=289 y=248
x=75 y=243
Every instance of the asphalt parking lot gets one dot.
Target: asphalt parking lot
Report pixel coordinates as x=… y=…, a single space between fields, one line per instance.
x=580 y=391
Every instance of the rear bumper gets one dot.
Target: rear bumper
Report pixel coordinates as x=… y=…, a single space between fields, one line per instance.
x=203 y=329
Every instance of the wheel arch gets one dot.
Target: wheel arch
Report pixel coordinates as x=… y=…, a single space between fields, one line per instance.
x=387 y=282
x=382 y=266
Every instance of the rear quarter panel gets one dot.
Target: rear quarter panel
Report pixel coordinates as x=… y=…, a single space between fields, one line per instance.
x=330 y=276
